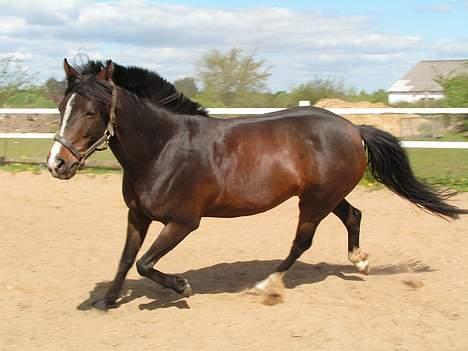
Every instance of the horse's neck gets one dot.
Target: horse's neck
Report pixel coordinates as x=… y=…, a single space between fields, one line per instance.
x=141 y=133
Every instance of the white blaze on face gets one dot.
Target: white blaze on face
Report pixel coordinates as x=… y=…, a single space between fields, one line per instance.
x=57 y=147
x=67 y=113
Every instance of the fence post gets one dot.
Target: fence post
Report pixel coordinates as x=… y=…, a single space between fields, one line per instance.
x=3 y=156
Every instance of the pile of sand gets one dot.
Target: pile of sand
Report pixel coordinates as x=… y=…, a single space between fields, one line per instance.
x=398 y=125
x=29 y=123
x=338 y=103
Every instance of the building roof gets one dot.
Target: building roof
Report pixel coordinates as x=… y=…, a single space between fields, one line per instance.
x=423 y=76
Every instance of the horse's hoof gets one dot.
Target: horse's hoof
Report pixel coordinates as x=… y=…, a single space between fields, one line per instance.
x=360 y=260
x=270 y=290
x=183 y=287
x=104 y=305
x=363 y=267
x=187 y=290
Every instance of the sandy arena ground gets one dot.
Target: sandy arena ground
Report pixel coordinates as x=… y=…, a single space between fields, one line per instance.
x=61 y=241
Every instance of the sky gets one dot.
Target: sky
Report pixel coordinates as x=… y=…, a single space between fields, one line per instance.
x=368 y=44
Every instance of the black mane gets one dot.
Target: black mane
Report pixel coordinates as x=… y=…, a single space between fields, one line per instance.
x=143 y=83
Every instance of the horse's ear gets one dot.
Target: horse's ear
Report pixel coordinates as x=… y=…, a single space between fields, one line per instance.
x=107 y=72
x=69 y=70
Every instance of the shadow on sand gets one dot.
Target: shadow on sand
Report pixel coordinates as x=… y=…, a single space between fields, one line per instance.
x=239 y=276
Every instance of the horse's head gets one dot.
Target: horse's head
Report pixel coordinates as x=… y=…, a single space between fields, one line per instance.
x=86 y=124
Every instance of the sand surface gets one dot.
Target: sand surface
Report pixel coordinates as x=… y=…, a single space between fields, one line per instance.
x=61 y=242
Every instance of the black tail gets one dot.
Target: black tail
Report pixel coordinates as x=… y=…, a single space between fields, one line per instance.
x=389 y=165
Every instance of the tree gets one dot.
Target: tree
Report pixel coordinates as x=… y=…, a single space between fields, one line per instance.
x=456 y=95
x=318 y=88
x=12 y=77
x=16 y=88
x=455 y=90
x=186 y=86
x=376 y=96
x=282 y=99
x=55 y=89
x=12 y=74
x=230 y=79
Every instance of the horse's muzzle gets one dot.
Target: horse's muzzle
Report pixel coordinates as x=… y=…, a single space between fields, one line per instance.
x=60 y=168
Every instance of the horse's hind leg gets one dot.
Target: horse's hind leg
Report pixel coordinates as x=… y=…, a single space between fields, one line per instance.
x=137 y=228
x=351 y=218
x=311 y=213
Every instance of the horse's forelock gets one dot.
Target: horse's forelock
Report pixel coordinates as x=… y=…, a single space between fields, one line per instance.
x=91 y=87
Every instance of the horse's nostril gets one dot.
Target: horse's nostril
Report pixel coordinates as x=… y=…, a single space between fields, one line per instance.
x=59 y=164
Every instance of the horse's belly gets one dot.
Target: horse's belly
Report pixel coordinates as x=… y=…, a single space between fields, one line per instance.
x=229 y=210
x=255 y=196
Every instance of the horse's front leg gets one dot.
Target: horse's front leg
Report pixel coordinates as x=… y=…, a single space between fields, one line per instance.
x=171 y=235
x=137 y=228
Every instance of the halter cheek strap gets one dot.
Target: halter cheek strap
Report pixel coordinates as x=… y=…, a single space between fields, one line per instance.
x=112 y=116
x=81 y=156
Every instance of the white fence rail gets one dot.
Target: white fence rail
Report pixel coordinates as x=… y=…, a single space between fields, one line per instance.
x=261 y=110
x=26 y=135
x=346 y=111
x=254 y=111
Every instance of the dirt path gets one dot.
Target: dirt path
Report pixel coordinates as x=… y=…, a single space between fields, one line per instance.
x=61 y=242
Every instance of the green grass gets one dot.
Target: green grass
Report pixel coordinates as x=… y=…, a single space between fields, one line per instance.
x=428 y=163
x=36 y=150
x=439 y=167
x=22 y=167
x=444 y=167
x=40 y=168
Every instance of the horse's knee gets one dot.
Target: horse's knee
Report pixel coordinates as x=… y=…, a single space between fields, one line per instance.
x=357 y=215
x=143 y=268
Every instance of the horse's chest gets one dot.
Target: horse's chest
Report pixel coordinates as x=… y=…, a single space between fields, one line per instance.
x=162 y=199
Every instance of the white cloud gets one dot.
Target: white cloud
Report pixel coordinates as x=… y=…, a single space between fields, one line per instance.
x=440 y=7
x=44 y=12
x=456 y=48
x=10 y=25
x=170 y=38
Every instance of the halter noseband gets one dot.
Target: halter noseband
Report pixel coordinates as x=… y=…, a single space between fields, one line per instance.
x=81 y=156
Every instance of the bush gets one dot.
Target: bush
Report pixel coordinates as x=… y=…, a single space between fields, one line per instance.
x=456 y=90
x=25 y=97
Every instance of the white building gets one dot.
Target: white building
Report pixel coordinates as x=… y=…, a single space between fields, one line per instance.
x=420 y=83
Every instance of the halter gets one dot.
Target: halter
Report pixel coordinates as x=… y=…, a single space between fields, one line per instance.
x=81 y=156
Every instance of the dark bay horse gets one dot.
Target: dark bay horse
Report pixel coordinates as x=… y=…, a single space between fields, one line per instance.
x=180 y=165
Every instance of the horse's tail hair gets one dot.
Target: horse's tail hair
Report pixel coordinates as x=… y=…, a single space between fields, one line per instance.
x=389 y=164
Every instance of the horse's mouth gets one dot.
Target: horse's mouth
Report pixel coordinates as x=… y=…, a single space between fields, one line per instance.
x=68 y=174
